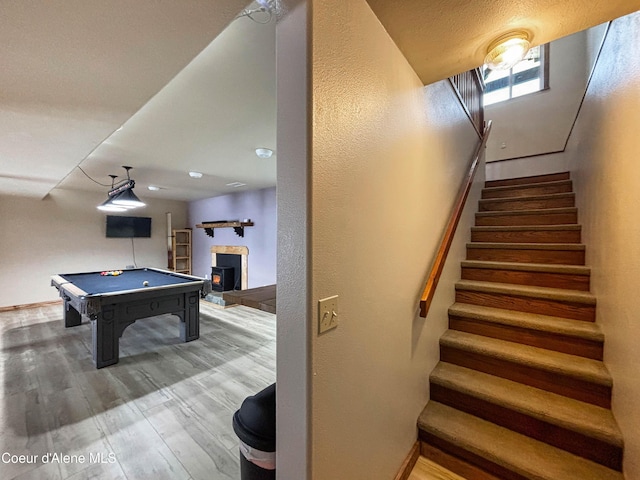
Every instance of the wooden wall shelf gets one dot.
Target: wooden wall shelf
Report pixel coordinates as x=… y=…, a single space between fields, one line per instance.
x=238 y=227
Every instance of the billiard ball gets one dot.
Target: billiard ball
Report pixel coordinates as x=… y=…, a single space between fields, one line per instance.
x=145 y=283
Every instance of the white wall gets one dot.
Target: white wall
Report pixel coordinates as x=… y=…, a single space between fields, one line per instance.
x=540 y=122
x=65 y=233
x=388 y=158
x=524 y=123
x=605 y=152
x=528 y=166
x=294 y=325
x=594 y=38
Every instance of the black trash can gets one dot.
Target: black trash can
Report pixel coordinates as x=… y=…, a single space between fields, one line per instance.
x=255 y=425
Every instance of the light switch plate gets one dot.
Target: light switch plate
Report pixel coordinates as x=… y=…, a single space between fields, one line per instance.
x=327 y=313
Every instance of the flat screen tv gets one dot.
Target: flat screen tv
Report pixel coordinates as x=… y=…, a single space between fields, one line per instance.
x=128 y=227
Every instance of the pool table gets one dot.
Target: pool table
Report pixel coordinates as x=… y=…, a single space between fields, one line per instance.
x=113 y=302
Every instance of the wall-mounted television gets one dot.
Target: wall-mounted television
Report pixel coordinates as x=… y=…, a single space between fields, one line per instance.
x=128 y=227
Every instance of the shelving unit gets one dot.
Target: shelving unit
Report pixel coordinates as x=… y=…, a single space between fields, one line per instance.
x=181 y=250
x=238 y=227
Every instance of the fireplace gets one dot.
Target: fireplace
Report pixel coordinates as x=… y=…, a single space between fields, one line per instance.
x=235 y=257
x=222 y=278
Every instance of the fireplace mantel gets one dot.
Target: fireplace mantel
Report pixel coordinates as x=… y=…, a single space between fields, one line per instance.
x=238 y=227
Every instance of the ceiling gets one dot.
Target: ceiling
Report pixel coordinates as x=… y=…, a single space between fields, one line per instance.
x=166 y=88
x=105 y=83
x=441 y=38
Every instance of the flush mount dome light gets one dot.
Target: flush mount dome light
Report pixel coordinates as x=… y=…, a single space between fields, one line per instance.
x=264 y=152
x=193 y=174
x=507 y=50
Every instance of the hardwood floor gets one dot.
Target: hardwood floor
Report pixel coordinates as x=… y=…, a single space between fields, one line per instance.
x=163 y=412
x=425 y=469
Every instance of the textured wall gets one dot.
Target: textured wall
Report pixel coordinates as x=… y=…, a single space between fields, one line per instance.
x=65 y=233
x=260 y=207
x=605 y=149
x=388 y=158
x=294 y=264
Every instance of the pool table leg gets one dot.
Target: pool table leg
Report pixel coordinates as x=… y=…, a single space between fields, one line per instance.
x=72 y=317
x=190 y=324
x=106 y=342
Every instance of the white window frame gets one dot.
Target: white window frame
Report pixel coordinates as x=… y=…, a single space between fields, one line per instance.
x=543 y=75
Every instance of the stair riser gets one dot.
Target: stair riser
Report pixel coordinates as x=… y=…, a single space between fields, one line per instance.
x=528 y=191
x=552 y=257
x=527 y=236
x=563 y=218
x=518 y=277
x=462 y=462
x=542 y=306
x=559 y=343
x=528 y=180
x=555 y=382
x=507 y=205
x=590 y=448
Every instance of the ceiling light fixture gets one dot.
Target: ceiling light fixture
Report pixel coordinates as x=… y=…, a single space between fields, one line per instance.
x=121 y=196
x=127 y=199
x=153 y=188
x=264 y=152
x=107 y=205
x=267 y=10
x=507 y=50
x=193 y=174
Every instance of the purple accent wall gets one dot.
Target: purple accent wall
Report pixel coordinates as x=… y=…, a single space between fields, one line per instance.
x=260 y=207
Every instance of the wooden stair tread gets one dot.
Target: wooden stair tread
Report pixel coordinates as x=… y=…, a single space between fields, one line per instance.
x=544 y=196
x=531 y=321
x=540 y=211
x=527 y=185
x=528 y=267
x=523 y=228
x=528 y=246
x=585 y=418
x=528 y=180
x=426 y=469
x=576 y=296
x=529 y=458
x=581 y=368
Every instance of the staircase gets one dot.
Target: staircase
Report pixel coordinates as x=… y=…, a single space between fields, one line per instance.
x=520 y=391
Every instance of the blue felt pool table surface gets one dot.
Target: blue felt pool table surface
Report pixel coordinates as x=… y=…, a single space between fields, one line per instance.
x=94 y=284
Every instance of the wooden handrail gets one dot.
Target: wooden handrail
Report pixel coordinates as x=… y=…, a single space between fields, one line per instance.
x=438 y=264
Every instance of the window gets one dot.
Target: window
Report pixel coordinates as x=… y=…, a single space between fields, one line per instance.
x=529 y=76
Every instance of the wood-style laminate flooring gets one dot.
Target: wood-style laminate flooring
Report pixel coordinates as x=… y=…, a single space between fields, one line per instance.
x=163 y=412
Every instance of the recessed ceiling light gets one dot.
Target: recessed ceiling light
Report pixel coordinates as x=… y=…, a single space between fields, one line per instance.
x=236 y=184
x=264 y=152
x=153 y=188
x=195 y=174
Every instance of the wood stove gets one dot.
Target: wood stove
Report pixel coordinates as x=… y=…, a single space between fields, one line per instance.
x=222 y=278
